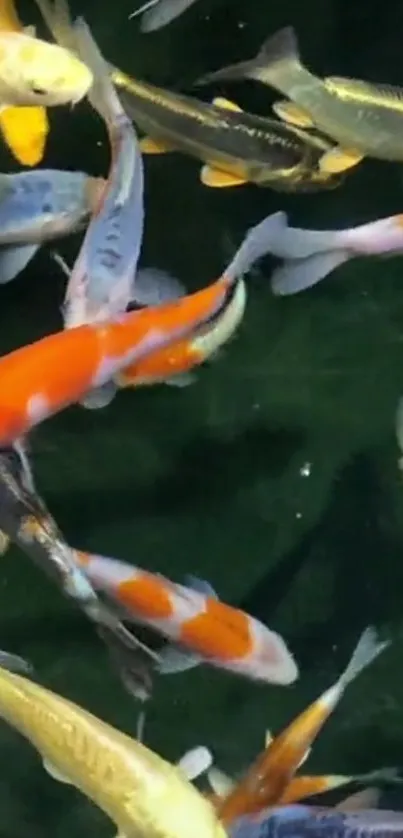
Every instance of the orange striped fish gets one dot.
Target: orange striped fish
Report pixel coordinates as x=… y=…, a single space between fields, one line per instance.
x=203 y=629
x=267 y=782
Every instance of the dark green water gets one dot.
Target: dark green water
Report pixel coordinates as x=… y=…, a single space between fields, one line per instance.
x=208 y=479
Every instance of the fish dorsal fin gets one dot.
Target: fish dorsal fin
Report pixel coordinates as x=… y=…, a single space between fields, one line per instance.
x=382 y=95
x=364 y=799
x=268 y=738
x=225 y=104
x=217 y=179
x=221 y=783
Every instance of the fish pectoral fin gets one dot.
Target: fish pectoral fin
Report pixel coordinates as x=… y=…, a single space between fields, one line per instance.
x=25 y=131
x=55 y=773
x=30 y=31
x=217 y=179
x=221 y=783
x=339 y=160
x=150 y=146
x=225 y=104
x=173 y=660
x=100 y=397
x=182 y=379
x=4 y=542
x=13 y=260
x=195 y=762
x=289 y=112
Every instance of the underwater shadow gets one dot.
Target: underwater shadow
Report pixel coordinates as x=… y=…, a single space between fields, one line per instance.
x=206 y=471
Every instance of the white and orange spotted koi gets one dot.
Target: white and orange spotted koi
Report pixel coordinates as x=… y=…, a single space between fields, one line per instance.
x=201 y=627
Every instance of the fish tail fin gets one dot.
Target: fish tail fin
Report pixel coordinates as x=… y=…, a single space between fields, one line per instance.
x=277 y=63
x=257 y=243
x=381 y=775
x=57 y=17
x=14 y=663
x=367 y=649
x=297 y=275
x=9 y=20
x=103 y=96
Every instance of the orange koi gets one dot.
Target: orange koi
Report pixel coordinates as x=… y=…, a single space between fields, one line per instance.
x=39 y=380
x=268 y=780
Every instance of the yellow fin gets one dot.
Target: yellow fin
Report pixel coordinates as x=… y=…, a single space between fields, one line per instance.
x=150 y=146
x=25 y=130
x=217 y=179
x=220 y=102
x=53 y=772
x=339 y=160
x=289 y=112
x=4 y=542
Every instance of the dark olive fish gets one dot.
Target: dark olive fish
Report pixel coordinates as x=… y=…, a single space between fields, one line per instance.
x=26 y=521
x=364 y=119
x=235 y=147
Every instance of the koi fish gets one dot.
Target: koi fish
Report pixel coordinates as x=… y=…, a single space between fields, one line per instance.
x=172 y=364
x=26 y=521
x=203 y=628
x=310 y=255
x=317 y=822
x=143 y=794
x=158 y=13
x=268 y=779
x=36 y=73
x=101 y=284
x=36 y=382
x=365 y=119
x=38 y=206
x=302 y=786
x=24 y=130
x=235 y=147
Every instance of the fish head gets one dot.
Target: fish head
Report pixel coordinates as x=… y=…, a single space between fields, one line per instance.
x=35 y=72
x=270 y=661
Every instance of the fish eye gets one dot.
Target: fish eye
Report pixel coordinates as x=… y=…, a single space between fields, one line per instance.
x=38 y=91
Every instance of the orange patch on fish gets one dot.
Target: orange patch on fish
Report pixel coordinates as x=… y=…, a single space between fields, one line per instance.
x=25 y=131
x=160 y=365
x=146 y=595
x=305 y=786
x=221 y=632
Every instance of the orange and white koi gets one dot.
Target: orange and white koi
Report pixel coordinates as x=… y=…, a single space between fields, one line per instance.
x=201 y=627
x=268 y=779
x=39 y=380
